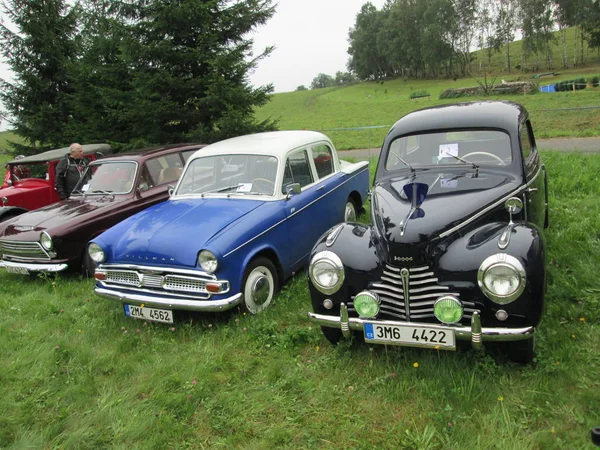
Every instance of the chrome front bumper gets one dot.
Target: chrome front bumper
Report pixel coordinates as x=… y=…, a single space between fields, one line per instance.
x=34 y=267
x=170 y=302
x=475 y=333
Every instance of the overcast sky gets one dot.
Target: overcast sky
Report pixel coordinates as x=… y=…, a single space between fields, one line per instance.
x=310 y=37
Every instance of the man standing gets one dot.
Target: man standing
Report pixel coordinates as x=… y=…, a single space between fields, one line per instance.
x=69 y=171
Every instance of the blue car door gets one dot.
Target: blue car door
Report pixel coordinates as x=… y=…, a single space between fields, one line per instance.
x=304 y=222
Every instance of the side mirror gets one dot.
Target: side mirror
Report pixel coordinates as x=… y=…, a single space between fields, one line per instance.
x=292 y=189
x=171 y=190
x=9 y=182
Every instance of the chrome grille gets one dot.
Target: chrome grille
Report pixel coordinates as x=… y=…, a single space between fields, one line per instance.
x=23 y=250
x=423 y=289
x=146 y=279
x=186 y=284
x=127 y=277
x=152 y=280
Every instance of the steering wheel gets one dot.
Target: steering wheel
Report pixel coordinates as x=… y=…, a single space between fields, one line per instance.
x=264 y=180
x=496 y=157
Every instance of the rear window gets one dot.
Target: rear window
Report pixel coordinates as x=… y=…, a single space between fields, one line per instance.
x=482 y=147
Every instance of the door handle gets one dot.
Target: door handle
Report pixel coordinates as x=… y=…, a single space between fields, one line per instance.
x=321 y=187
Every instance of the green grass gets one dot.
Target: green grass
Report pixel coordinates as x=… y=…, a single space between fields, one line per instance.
x=77 y=374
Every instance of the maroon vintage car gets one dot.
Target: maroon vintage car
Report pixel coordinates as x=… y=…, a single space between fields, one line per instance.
x=54 y=237
x=29 y=182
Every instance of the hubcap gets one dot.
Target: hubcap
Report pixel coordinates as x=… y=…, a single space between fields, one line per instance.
x=260 y=290
x=349 y=214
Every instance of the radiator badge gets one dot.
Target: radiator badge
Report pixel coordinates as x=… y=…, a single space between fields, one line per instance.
x=403 y=258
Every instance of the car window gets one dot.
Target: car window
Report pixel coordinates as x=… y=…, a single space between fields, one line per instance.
x=113 y=177
x=165 y=169
x=145 y=179
x=297 y=170
x=186 y=155
x=323 y=159
x=482 y=147
x=526 y=145
x=230 y=174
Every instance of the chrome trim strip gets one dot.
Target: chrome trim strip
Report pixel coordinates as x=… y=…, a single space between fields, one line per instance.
x=296 y=212
x=405 y=286
x=172 y=303
x=141 y=290
x=35 y=267
x=462 y=333
x=489 y=208
x=159 y=269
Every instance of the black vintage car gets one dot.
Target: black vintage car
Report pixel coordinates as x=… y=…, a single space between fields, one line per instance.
x=456 y=250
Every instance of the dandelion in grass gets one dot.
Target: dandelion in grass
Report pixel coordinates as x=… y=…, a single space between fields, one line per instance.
x=80 y=331
x=553 y=430
x=125 y=332
x=142 y=305
x=573 y=336
x=416 y=365
x=122 y=328
x=317 y=348
x=244 y=329
x=582 y=319
x=500 y=399
x=437 y=347
x=57 y=347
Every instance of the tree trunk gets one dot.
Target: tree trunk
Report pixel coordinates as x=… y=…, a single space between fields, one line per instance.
x=565 y=56
x=507 y=56
x=576 y=44
x=582 y=36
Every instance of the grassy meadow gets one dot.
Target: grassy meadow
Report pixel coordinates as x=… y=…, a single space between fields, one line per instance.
x=76 y=374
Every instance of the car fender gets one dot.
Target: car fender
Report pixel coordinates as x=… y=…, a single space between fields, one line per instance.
x=458 y=260
x=358 y=248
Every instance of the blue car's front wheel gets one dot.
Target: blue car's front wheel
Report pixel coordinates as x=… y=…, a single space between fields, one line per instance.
x=260 y=285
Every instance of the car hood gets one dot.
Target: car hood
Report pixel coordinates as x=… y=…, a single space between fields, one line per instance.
x=62 y=214
x=174 y=231
x=450 y=199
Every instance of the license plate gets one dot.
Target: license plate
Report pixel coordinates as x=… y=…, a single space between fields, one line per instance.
x=152 y=314
x=19 y=270
x=410 y=335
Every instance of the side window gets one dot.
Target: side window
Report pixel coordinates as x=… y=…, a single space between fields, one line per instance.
x=526 y=145
x=165 y=169
x=186 y=155
x=297 y=170
x=145 y=179
x=323 y=160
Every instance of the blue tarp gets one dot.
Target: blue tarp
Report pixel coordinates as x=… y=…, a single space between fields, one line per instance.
x=547 y=88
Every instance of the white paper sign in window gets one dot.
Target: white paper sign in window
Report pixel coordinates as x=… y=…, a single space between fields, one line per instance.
x=448 y=183
x=448 y=150
x=244 y=187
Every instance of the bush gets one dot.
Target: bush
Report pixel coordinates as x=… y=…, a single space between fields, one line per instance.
x=567 y=85
x=419 y=94
x=595 y=81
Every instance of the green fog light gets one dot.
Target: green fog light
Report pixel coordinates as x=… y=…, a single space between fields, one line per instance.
x=448 y=309
x=366 y=304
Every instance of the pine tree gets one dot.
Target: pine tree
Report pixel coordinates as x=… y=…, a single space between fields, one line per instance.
x=40 y=53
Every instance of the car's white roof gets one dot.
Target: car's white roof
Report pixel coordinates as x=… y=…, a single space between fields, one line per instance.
x=275 y=143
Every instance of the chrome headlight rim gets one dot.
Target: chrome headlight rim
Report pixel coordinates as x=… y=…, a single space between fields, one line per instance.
x=334 y=260
x=208 y=261
x=46 y=241
x=507 y=261
x=453 y=299
x=96 y=253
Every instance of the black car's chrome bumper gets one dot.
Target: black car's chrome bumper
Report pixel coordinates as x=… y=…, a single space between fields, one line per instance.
x=475 y=333
x=171 y=302
x=33 y=267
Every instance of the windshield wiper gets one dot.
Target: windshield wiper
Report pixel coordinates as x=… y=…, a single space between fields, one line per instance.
x=405 y=163
x=101 y=191
x=222 y=189
x=475 y=166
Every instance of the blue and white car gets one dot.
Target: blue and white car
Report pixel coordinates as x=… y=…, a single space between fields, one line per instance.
x=241 y=220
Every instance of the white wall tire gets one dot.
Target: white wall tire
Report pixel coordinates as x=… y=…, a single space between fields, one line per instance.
x=350 y=211
x=260 y=285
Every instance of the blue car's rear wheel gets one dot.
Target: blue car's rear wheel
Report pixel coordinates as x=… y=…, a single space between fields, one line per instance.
x=260 y=285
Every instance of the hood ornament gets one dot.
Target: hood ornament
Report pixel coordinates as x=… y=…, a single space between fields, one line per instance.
x=24 y=228
x=416 y=193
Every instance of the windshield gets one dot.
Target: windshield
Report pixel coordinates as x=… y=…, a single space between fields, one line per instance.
x=23 y=171
x=230 y=174
x=107 y=178
x=479 y=147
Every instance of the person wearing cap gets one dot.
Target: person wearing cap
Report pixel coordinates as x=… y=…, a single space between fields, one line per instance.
x=69 y=171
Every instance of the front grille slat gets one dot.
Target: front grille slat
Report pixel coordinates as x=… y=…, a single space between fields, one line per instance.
x=424 y=289
x=23 y=250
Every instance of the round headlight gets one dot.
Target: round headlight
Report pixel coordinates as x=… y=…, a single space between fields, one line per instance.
x=96 y=253
x=46 y=240
x=326 y=272
x=208 y=261
x=501 y=278
x=448 y=309
x=366 y=304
